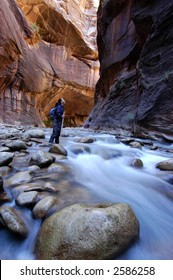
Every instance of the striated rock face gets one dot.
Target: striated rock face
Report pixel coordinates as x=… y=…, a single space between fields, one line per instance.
x=134 y=92
x=47 y=51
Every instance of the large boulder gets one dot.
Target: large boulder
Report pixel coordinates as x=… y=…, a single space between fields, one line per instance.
x=82 y=232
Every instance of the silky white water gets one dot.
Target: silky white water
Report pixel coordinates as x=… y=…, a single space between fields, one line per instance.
x=104 y=170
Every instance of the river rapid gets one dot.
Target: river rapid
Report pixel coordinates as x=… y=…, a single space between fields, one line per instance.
x=104 y=173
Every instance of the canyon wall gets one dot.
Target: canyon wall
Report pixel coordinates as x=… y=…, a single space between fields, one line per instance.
x=47 y=51
x=134 y=92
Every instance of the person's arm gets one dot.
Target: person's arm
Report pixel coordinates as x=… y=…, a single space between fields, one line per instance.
x=59 y=112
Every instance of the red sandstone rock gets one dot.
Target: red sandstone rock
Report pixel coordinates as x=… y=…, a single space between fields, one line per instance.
x=134 y=92
x=48 y=56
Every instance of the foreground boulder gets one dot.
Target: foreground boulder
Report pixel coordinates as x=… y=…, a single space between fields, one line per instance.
x=81 y=232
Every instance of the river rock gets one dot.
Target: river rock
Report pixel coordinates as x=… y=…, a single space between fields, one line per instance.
x=135 y=145
x=108 y=154
x=16 y=145
x=18 y=178
x=5 y=158
x=42 y=208
x=4 y=149
x=42 y=159
x=137 y=163
x=33 y=168
x=58 y=149
x=11 y=218
x=1 y=184
x=80 y=149
x=35 y=133
x=27 y=198
x=80 y=232
x=86 y=140
x=4 y=170
x=55 y=167
x=165 y=165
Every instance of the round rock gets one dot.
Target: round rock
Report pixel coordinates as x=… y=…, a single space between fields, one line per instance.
x=79 y=232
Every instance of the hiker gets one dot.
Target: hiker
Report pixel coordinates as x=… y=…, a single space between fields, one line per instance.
x=57 y=121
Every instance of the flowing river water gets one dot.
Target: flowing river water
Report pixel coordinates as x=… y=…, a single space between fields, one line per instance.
x=104 y=172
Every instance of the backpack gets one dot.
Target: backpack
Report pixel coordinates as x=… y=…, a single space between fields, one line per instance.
x=52 y=113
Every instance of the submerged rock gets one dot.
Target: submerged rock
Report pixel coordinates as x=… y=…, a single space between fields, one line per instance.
x=82 y=232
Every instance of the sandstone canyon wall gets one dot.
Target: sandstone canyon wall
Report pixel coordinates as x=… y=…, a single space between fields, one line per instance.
x=134 y=94
x=47 y=51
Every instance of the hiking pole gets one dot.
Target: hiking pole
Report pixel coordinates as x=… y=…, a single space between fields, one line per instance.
x=62 y=123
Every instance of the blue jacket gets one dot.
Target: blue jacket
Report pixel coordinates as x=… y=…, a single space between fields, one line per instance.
x=59 y=111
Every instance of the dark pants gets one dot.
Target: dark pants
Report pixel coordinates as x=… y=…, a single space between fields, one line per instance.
x=56 y=131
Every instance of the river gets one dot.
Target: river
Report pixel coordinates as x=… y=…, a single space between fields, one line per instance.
x=104 y=171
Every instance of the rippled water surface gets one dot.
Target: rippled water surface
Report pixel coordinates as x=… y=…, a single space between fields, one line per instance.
x=103 y=172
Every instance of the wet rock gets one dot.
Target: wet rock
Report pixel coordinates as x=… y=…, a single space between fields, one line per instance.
x=86 y=140
x=18 y=178
x=42 y=159
x=5 y=158
x=80 y=232
x=42 y=208
x=47 y=187
x=11 y=218
x=35 y=133
x=27 y=198
x=137 y=163
x=154 y=147
x=55 y=167
x=26 y=138
x=80 y=149
x=126 y=141
x=4 y=149
x=3 y=196
x=135 y=145
x=165 y=165
x=108 y=154
x=4 y=170
x=1 y=184
x=58 y=149
x=33 y=168
x=16 y=145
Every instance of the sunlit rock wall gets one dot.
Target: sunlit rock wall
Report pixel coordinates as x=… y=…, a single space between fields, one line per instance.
x=47 y=51
x=134 y=92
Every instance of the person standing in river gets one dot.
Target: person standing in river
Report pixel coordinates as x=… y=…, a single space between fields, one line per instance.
x=57 y=121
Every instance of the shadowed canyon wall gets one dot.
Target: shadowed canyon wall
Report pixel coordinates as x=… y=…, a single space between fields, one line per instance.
x=135 y=91
x=47 y=51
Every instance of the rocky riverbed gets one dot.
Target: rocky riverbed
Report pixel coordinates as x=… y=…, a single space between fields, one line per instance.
x=45 y=181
